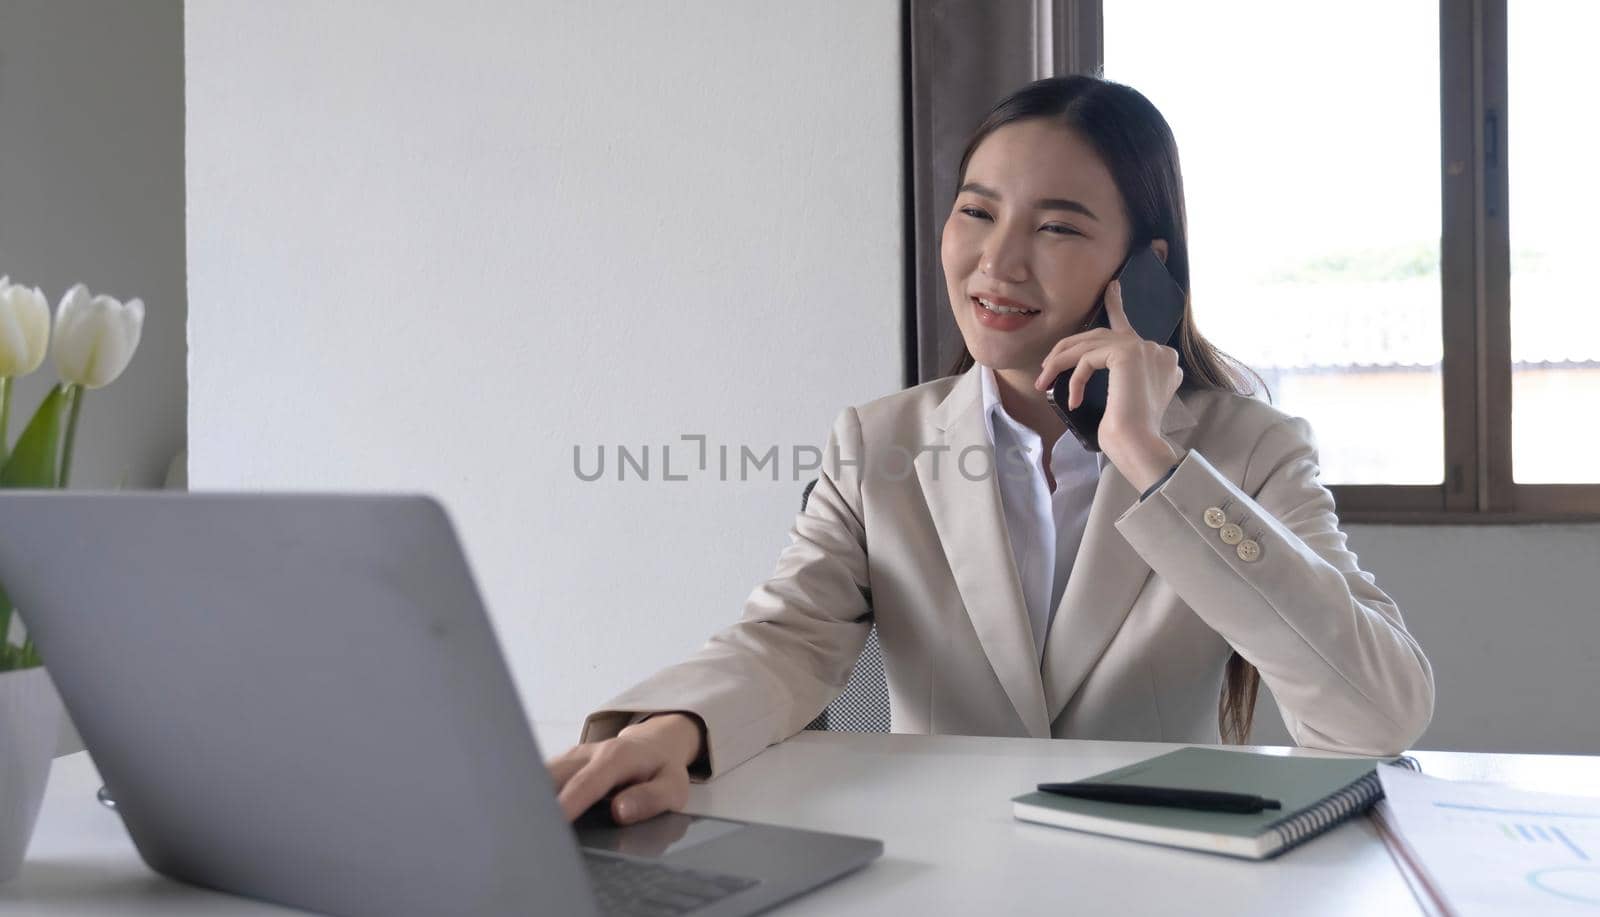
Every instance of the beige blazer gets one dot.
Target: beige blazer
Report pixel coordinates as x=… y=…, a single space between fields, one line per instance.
x=1155 y=604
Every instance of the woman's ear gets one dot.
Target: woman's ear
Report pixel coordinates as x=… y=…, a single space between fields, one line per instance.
x=1160 y=246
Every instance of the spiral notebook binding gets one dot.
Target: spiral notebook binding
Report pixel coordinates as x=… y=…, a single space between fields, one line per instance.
x=1341 y=806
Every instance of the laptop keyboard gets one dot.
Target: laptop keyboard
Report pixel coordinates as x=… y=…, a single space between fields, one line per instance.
x=638 y=888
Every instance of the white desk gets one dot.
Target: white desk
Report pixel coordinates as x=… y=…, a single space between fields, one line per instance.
x=939 y=803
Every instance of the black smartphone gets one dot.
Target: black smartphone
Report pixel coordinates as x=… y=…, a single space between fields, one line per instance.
x=1154 y=303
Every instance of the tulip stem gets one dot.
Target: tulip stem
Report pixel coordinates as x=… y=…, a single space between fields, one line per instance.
x=5 y=416
x=75 y=393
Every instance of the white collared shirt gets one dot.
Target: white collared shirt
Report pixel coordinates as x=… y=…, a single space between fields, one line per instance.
x=1045 y=528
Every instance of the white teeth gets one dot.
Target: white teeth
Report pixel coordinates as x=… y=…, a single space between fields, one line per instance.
x=1004 y=310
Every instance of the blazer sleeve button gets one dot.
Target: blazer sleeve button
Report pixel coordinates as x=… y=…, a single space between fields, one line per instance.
x=1249 y=550
x=1231 y=534
x=1215 y=517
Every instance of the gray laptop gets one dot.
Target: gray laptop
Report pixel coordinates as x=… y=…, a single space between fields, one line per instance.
x=299 y=698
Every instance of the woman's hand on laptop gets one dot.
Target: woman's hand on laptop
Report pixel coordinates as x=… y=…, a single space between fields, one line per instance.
x=650 y=758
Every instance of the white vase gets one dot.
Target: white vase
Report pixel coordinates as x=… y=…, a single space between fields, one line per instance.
x=30 y=720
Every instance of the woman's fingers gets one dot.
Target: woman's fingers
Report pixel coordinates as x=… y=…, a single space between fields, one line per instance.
x=1114 y=311
x=563 y=766
x=1092 y=334
x=1087 y=364
x=1066 y=351
x=1058 y=363
x=667 y=791
x=612 y=764
x=1063 y=360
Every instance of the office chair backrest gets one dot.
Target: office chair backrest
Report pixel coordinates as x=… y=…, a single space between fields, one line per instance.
x=863 y=706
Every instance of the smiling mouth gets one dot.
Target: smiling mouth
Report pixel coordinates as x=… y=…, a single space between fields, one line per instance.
x=994 y=309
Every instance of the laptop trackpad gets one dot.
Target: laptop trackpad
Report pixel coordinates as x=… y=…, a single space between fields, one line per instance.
x=661 y=836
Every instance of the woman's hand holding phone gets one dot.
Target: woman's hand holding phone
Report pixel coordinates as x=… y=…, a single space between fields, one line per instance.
x=1144 y=377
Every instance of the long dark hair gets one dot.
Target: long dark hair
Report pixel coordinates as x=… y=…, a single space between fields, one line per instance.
x=1137 y=146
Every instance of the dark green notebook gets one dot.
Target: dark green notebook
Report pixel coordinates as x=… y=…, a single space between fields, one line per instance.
x=1317 y=793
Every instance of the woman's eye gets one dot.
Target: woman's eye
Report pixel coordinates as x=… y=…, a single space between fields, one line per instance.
x=1055 y=228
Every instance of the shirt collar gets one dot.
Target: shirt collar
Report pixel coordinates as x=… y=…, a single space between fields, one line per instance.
x=992 y=405
x=991 y=399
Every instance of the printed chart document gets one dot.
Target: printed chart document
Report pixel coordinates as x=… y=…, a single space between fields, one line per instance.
x=1480 y=848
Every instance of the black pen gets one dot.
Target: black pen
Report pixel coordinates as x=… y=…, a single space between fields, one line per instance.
x=1207 y=800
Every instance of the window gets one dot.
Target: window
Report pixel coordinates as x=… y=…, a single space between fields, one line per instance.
x=1555 y=302
x=1367 y=233
x=1312 y=189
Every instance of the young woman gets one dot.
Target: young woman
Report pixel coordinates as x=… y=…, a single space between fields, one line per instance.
x=1142 y=592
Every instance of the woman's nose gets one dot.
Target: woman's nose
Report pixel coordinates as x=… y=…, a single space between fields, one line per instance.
x=1004 y=258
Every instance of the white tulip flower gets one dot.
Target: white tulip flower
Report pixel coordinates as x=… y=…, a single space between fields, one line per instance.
x=24 y=328
x=95 y=337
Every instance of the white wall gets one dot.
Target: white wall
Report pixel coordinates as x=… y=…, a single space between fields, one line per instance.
x=1510 y=619
x=433 y=246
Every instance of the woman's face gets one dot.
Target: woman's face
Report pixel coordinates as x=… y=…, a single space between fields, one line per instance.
x=1039 y=224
